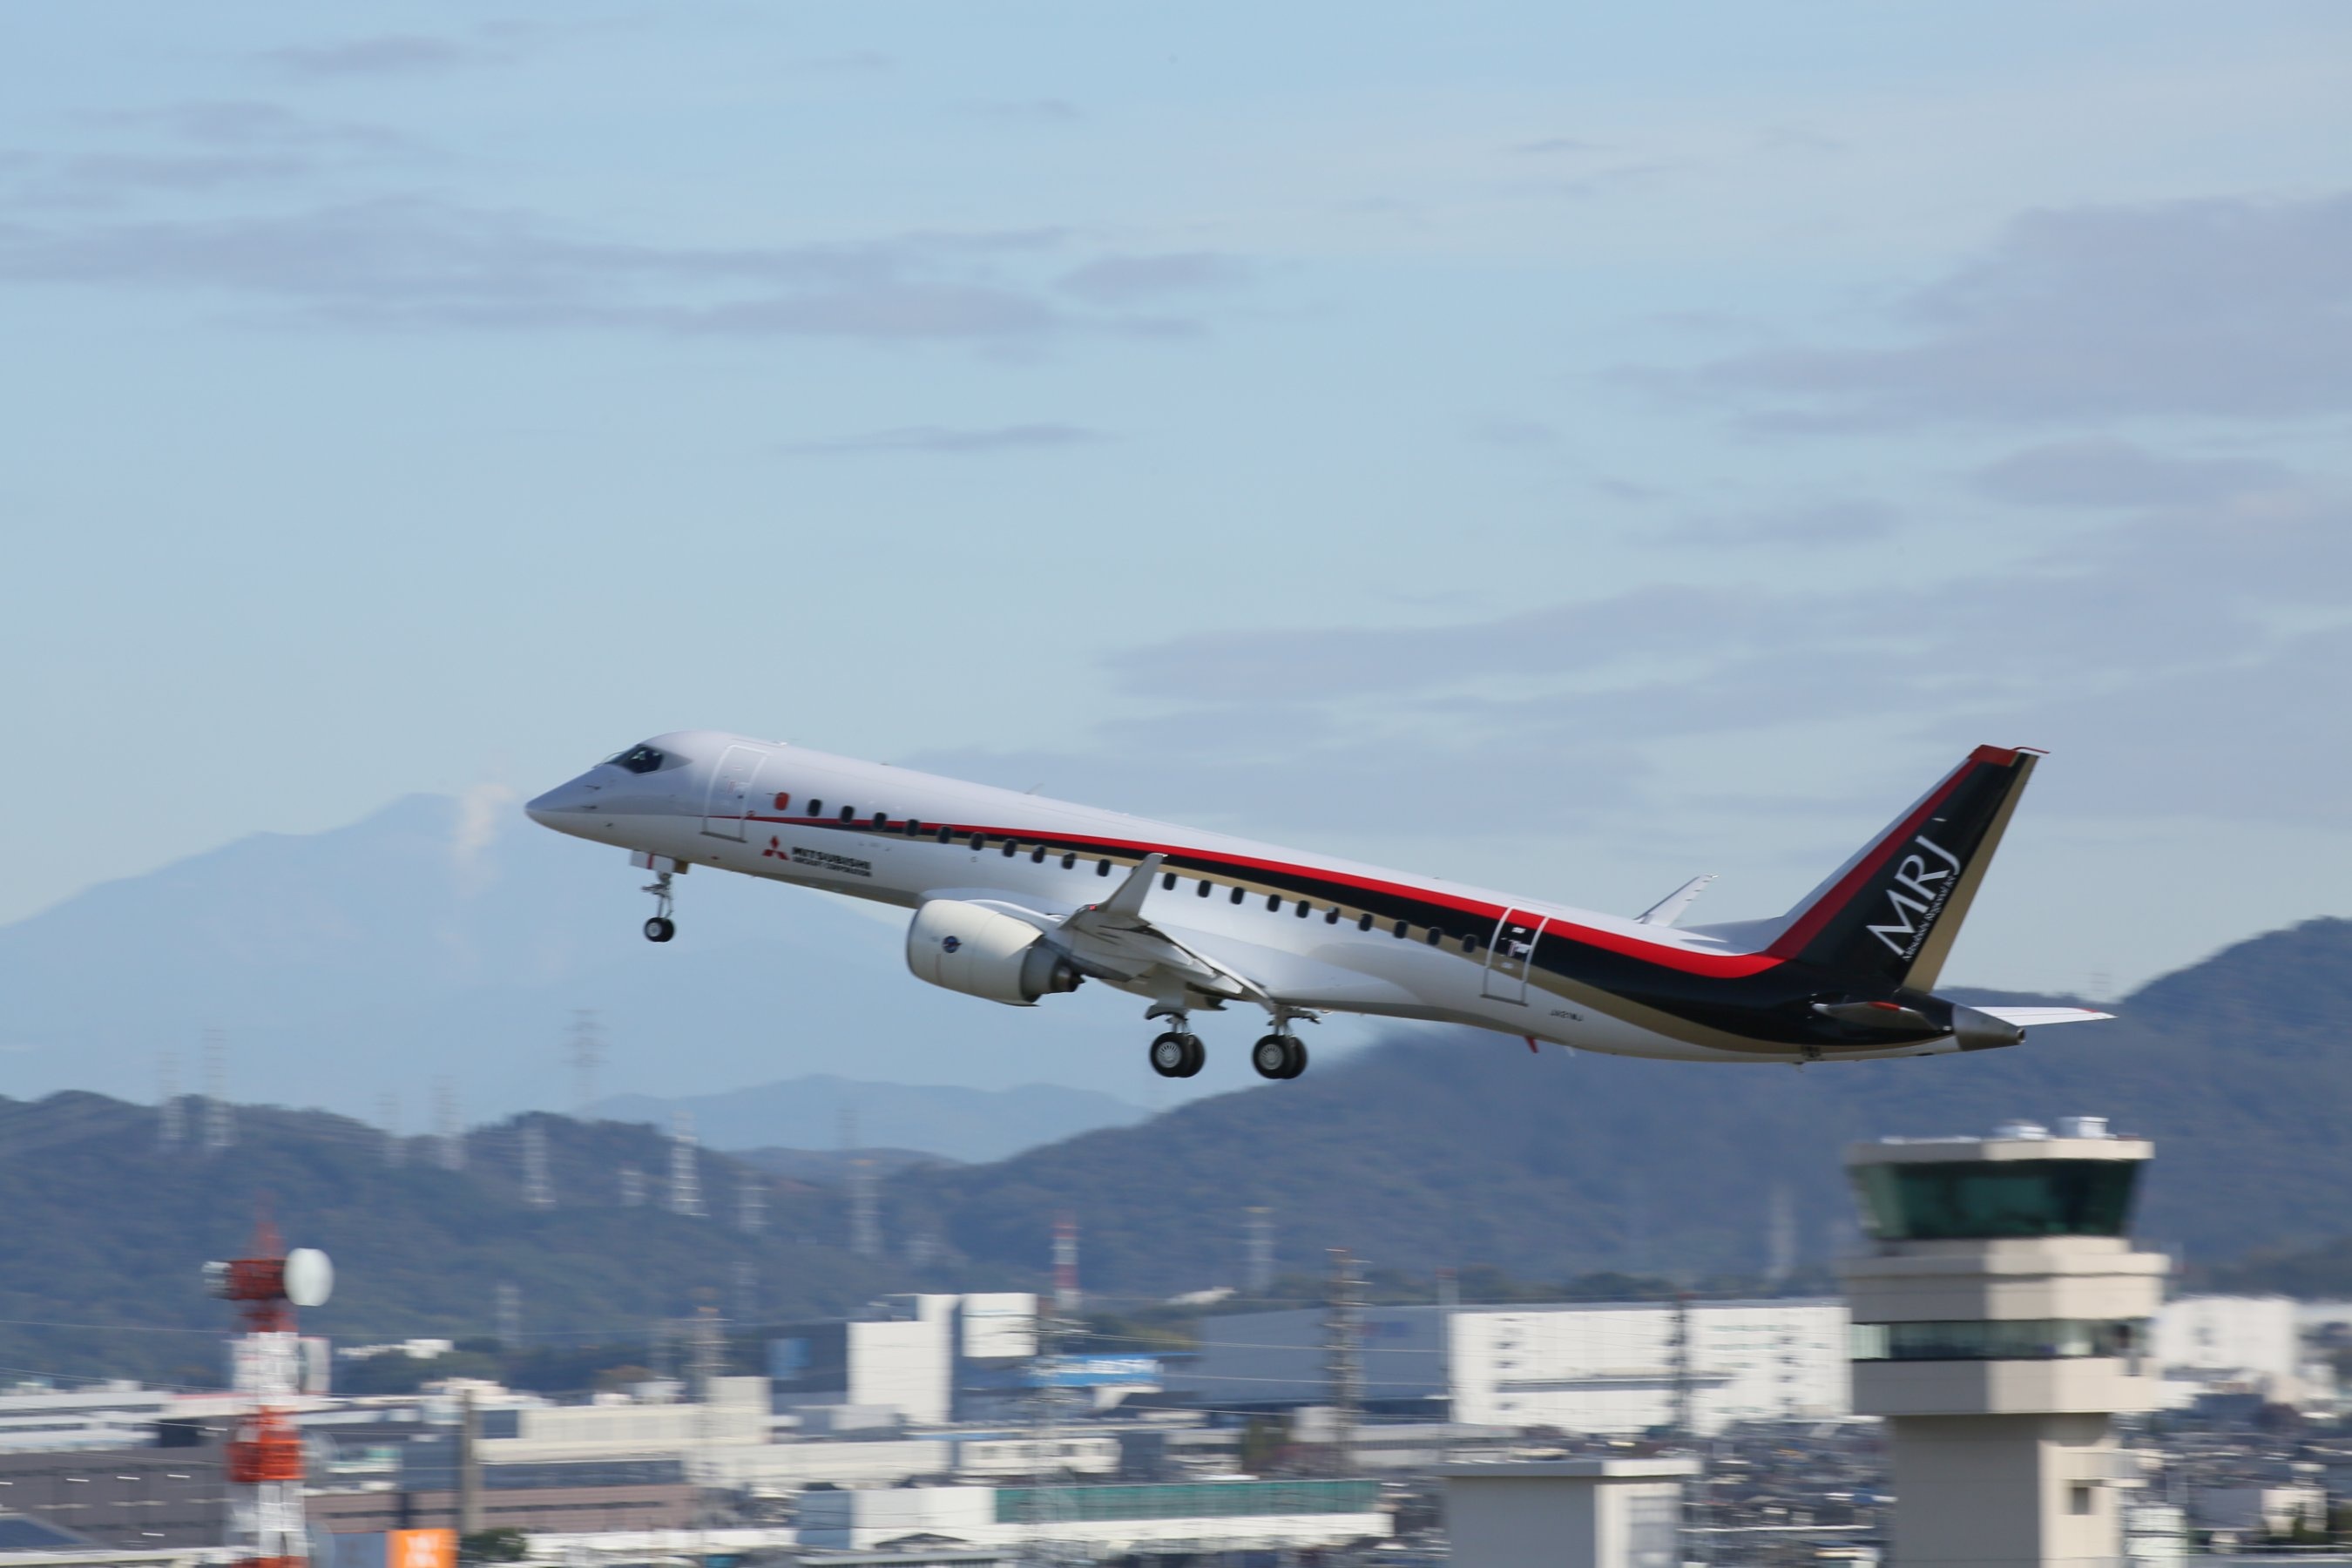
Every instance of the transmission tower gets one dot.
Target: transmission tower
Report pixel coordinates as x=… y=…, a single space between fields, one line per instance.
x=747 y=1292
x=1679 y=1349
x=709 y=1331
x=538 y=1191
x=750 y=1203
x=218 y=1134
x=1257 y=1252
x=685 y=1170
x=509 y=1317
x=1067 y=1300
x=1779 y=1238
x=171 y=1121
x=1343 y=1347
x=449 y=1137
x=865 y=1222
x=387 y=1116
x=587 y=1053
x=633 y=1187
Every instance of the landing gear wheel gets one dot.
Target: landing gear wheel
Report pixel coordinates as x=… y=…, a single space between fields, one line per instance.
x=661 y=928
x=1196 y=1054
x=1169 y=1057
x=1278 y=1057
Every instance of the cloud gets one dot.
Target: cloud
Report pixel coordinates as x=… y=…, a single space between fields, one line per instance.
x=482 y=810
x=252 y=124
x=1125 y=279
x=1816 y=526
x=385 y=54
x=2101 y=471
x=2226 y=626
x=948 y=441
x=2230 y=308
x=401 y=262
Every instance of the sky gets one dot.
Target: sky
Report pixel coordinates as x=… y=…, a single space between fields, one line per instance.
x=1568 y=449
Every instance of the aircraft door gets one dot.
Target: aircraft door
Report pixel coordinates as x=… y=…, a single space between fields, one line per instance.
x=1509 y=955
x=733 y=788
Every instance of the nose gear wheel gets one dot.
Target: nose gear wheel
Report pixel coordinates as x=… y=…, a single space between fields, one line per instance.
x=661 y=928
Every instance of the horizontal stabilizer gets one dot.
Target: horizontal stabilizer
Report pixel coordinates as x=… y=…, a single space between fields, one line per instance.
x=2034 y=1018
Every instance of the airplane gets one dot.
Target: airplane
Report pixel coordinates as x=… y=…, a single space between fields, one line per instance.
x=1018 y=898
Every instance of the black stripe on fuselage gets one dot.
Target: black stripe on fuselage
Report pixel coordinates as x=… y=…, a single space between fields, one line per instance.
x=1771 y=1004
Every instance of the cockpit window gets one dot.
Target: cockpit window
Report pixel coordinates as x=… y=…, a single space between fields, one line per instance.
x=640 y=759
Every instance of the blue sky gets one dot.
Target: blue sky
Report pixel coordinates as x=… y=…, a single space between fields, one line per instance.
x=1567 y=451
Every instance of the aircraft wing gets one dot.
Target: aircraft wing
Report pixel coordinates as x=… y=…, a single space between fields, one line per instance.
x=1113 y=936
x=2034 y=1018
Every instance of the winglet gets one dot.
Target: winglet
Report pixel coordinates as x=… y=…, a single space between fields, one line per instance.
x=1668 y=910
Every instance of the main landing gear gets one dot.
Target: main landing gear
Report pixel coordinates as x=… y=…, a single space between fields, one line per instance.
x=1178 y=1054
x=1279 y=1056
x=661 y=928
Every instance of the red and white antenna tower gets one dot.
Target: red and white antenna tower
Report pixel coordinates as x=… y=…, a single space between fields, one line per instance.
x=264 y=1457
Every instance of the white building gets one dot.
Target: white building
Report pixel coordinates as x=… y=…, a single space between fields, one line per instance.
x=2249 y=1343
x=1614 y=1367
x=1601 y=1367
x=1208 y=1516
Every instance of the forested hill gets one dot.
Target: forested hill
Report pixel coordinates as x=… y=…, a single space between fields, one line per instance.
x=103 y=1232
x=1461 y=1149
x=1436 y=1149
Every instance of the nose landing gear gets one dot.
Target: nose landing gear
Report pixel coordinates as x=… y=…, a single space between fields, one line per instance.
x=661 y=928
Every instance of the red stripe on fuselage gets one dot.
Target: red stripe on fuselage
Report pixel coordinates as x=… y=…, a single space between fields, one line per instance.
x=1727 y=966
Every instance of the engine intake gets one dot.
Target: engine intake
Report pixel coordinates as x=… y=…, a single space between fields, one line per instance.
x=964 y=947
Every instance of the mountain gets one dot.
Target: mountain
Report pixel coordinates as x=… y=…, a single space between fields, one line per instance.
x=447 y=939
x=1450 y=1150
x=806 y=1113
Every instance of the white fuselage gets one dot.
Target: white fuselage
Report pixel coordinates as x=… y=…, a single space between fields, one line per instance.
x=1330 y=940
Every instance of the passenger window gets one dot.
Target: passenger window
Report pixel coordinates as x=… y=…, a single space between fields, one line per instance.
x=1364 y=921
x=1238 y=895
x=914 y=828
x=1401 y=927
x=1102 y=868
x=1435 y=936
x=1304 y=908
x=1010 y=847
x=881 y=819
x=1037 y=856
x=1469 y=944
x=783 y=801
x=817 y=808
x=947 y=835
x=1168 y=882
x=1331 y=916
x=980 y=841
x=848 y=813
x=1069 y=860
x=1206 y=884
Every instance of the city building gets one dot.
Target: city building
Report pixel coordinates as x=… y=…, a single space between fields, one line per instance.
x=1613 y=1367
x=1209 y=1516
x=930 y=1358
x=2251 y=1344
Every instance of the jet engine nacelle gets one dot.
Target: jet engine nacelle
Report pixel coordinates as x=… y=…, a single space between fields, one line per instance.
x=965 y=947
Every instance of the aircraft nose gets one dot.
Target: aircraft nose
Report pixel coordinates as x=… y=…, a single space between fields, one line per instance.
x=565 y=799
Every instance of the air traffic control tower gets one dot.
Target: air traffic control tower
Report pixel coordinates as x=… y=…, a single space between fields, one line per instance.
x=1999 y=1318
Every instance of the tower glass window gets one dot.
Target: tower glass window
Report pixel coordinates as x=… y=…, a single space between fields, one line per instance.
x=1982 y=1200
